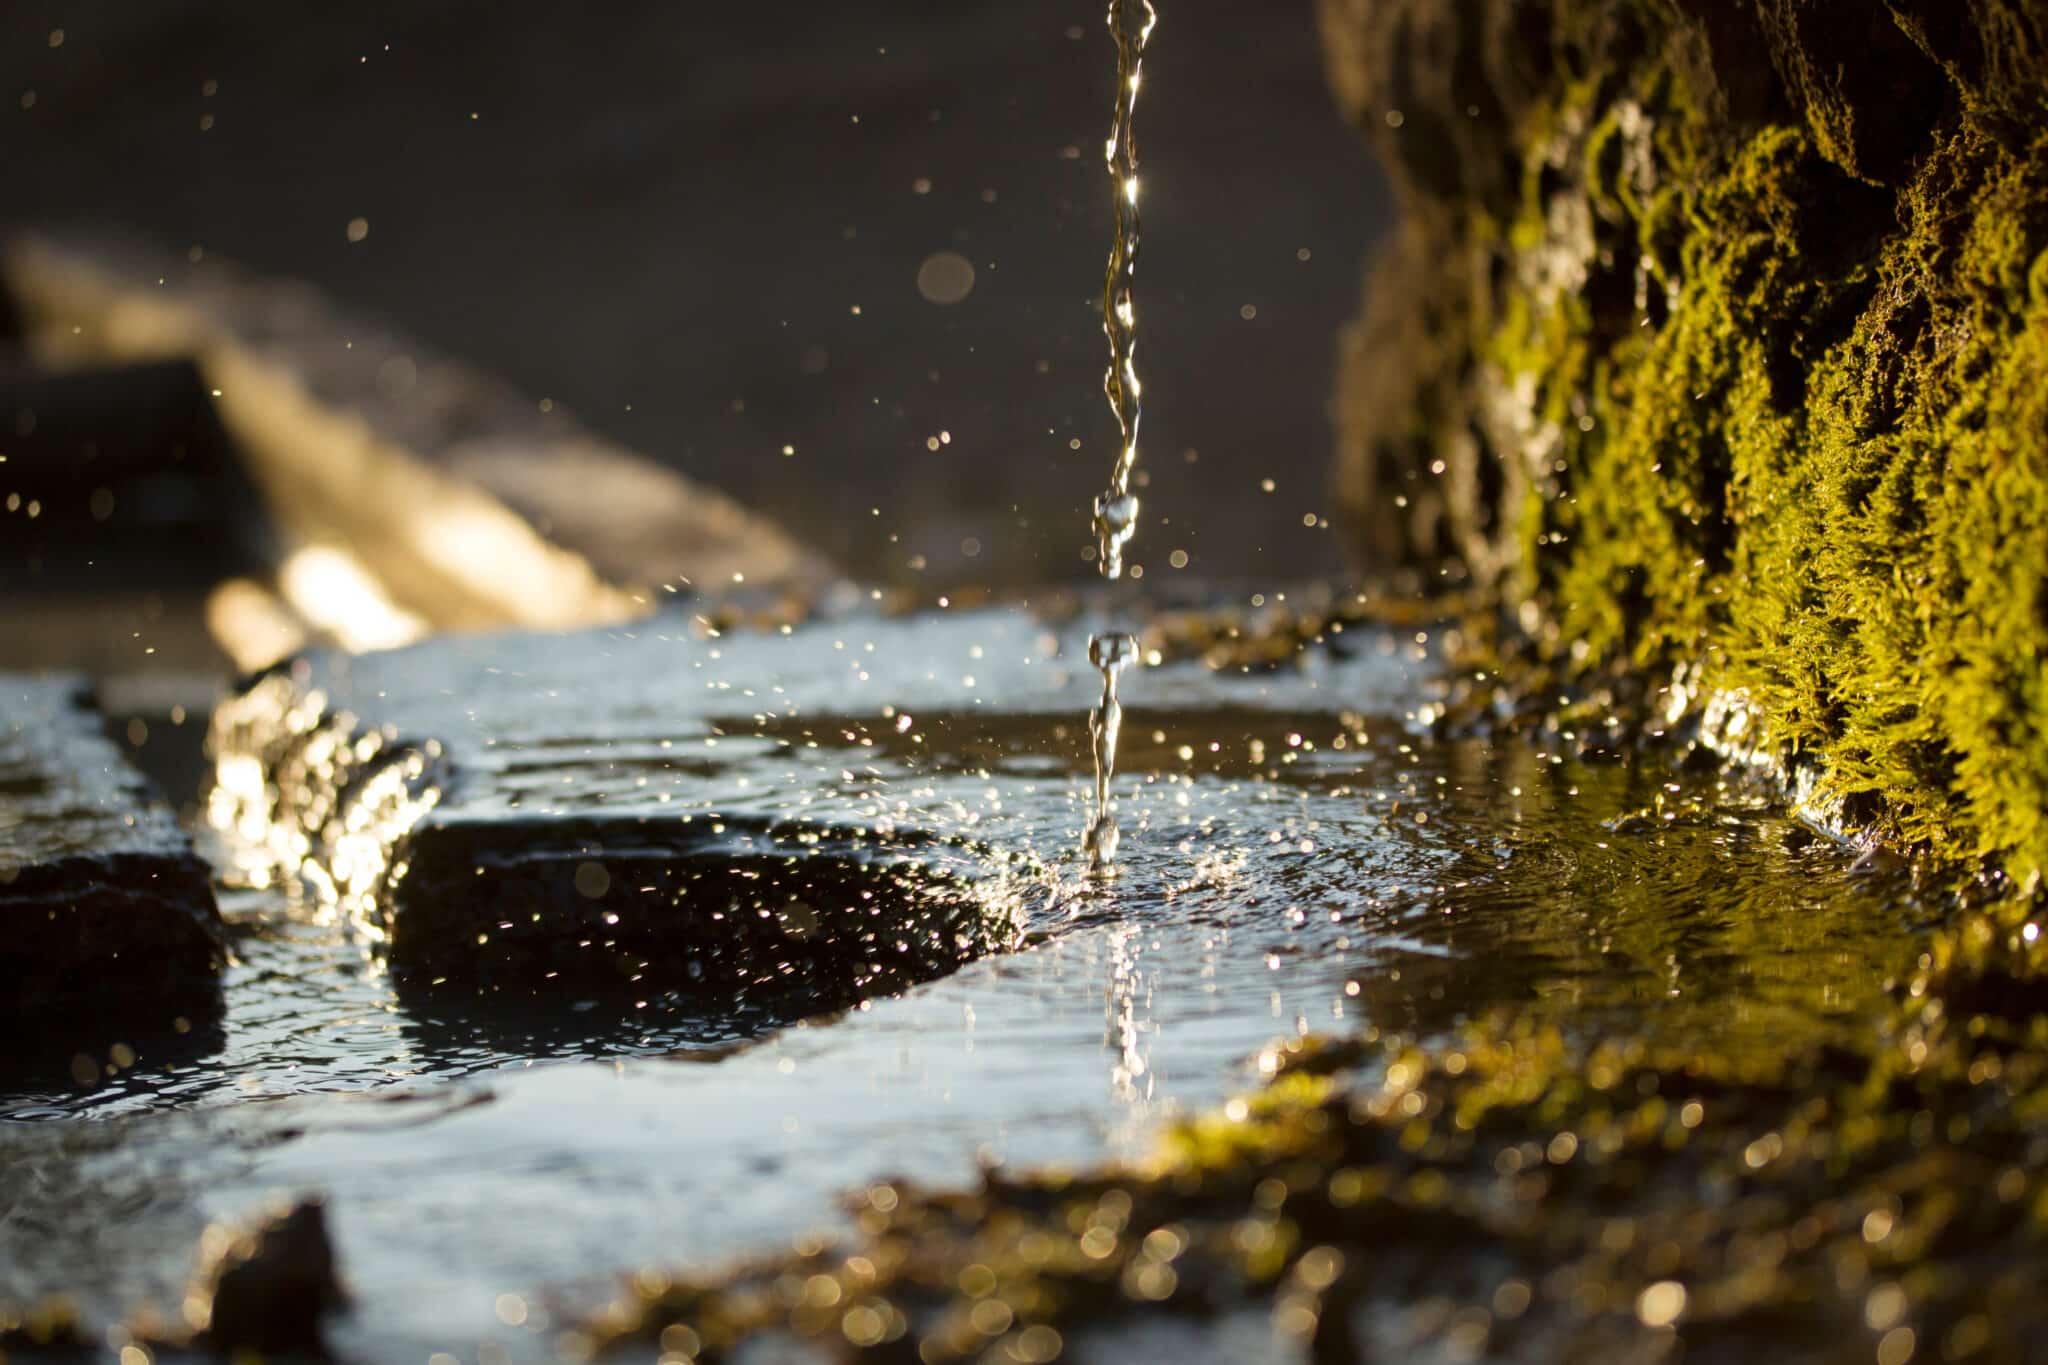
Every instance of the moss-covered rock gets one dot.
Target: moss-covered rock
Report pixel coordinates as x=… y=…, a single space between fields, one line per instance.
x=1716 y=334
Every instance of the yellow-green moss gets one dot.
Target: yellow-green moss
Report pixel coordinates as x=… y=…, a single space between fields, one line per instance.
x=1758 y=364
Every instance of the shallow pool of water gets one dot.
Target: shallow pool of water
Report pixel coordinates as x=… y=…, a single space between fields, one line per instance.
x=1299 y=855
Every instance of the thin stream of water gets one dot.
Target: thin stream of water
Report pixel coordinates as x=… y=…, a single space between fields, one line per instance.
x=1116 y=508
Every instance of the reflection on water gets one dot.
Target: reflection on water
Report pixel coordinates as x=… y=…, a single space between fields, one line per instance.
x=1310 y=860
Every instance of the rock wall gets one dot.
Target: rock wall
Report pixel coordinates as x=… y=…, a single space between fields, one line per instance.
x=1715 y=337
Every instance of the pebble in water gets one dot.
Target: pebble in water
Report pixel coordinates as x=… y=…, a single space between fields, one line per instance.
x=1116 y=508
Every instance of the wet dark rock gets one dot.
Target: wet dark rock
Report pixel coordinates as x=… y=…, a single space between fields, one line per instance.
x=750 y=909
x=132 y=480
x=574 y=813
x=107 y=908
x=264 y=1287
x=121 y=505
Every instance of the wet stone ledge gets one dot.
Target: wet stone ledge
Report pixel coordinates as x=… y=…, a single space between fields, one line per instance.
x=107 y=910
x=540 y=815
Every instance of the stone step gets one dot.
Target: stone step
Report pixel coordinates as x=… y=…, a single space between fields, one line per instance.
x=108 y=910
x=527 y=812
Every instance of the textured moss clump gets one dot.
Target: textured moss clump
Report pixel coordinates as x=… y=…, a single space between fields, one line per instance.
x=1716 y=338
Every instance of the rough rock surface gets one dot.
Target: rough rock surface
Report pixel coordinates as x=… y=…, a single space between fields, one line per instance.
x=613 y=809
x=107 y=908
x=1716 y=334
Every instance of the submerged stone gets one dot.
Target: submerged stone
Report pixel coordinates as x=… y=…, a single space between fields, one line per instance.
x=603 y=809
x=731 y=908
x=107 y=910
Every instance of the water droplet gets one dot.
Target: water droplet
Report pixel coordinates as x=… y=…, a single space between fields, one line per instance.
x=945 y=278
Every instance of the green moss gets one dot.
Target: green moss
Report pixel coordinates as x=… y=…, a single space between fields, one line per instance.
x=1759 y=362
x=1889 y=613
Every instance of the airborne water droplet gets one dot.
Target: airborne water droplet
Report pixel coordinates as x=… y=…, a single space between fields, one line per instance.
x=1113 y=652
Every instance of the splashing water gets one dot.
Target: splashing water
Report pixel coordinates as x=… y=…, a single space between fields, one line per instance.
x=1116 y=508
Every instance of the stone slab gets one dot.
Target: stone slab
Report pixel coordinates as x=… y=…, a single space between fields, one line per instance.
x=639 y=809
x=108 y=909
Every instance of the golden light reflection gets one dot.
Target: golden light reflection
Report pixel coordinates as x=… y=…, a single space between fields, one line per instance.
x=251 y=626
x=336 y=593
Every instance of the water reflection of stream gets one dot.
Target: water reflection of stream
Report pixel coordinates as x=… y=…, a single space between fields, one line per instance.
x=1123 y=1029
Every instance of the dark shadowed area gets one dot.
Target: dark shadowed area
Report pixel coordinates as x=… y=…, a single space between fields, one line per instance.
x=703 y=228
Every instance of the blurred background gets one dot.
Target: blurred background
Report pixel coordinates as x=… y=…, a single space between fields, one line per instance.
x=872 y=233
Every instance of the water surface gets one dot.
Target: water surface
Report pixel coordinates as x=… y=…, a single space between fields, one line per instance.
x=1298 y=855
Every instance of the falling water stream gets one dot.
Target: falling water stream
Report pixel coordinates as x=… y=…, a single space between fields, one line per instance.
x=1116 y=507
